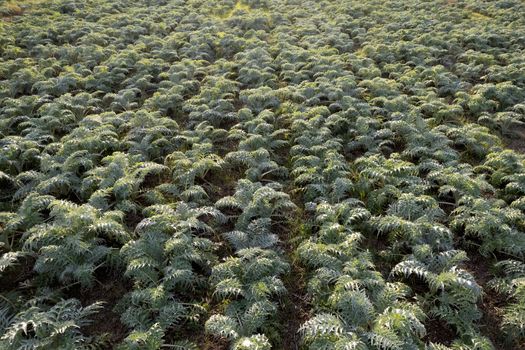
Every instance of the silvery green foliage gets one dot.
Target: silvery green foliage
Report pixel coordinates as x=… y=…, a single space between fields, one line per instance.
x=43 y=327
x=251 y=282
x=174 y=148
x=74 y=245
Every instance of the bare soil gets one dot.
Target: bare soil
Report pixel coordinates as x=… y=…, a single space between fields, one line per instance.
x=439 y=331
x=295 y=308
x=491 y=302
x=17 y=274
x=207 y=342
x=517 y=142
x=106 y=322
x=296 y=304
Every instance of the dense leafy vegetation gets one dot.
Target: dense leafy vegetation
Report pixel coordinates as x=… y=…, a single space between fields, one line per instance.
x=262 y=174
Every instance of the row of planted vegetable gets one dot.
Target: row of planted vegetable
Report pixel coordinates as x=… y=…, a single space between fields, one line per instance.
x=197 y=155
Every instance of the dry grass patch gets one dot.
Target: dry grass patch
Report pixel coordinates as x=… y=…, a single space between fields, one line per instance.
x=13 y=8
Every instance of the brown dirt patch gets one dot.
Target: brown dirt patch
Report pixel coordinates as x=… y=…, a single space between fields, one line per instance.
x=491 y=302
x=295 y=308
x=17 y=274
x=517 y=142
x=131 y=220
x=377 y=245
x=438 y=331
x=106 y=323
x=296 y=303
x=206 y=342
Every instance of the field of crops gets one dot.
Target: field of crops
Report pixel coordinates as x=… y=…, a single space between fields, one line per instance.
x=262 y=174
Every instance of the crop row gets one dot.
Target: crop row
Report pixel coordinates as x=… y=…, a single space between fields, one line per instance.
x=167 y=167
